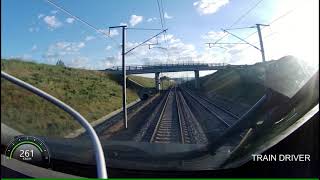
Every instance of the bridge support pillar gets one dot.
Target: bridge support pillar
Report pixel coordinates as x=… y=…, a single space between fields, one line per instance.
x=157 y=81
x=196 y=79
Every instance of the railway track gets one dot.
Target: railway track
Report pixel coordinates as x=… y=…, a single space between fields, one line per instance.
x=193 y=132
x=172 y=122
x=218 y=107
x=176 y=123
x=225 y=117
x=169 y=127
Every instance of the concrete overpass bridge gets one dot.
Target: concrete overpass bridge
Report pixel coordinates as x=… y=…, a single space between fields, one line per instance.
x=161 y=68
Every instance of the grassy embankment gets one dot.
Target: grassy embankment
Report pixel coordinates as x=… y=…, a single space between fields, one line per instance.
x=149 y=82
x=92 y=93
x=247 y=85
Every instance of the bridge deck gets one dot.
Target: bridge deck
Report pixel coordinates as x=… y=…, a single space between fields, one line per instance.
x=142 y=69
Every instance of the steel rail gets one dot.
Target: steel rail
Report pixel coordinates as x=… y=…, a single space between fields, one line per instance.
x=160 y=117
x=208 y=109
x=187 y=117
x=180 y=119
x=222 y=109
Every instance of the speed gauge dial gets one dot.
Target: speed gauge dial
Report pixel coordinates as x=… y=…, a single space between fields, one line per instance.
x=29 y=149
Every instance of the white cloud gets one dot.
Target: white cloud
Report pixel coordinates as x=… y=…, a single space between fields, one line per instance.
x=123 y=24
x=108 y=48
x=151 y=19
x=63 y=48
x=109 y=61
x=113 y=32
x=24 y=57
x=212 y=36
x=166 y=16
x=277 y=38
x=226 y=53
x=80 y=62
x=33 y=29
x=178 y=51
x=62 y=45
x=209 y=6
x=81 y=45
x=34 y=47
x=52 y=22
x=68 y=46
x=282 y=43
x=40 y=16
x=70 y=20
x=105 y=31
x=134 y=20
x=89 y=38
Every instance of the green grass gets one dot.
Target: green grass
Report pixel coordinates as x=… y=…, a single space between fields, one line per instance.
x=144 y=81
x=92 y=93
x=230 y=84
x=149 y=82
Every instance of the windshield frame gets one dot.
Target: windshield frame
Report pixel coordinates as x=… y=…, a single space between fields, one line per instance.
x=203 y=150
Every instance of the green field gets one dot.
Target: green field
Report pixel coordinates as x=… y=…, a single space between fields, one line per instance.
x=92 y=93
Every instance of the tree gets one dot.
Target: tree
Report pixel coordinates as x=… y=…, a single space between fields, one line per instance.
x=164 y=78
x=60 y=63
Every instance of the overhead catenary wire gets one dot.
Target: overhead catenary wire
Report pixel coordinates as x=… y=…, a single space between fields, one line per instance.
x=282 y=16
x=243 y=40
x=160 y=14
x=145 y=41
x=272 y=22
x=166 y=38
x=246 y=13
x=239 y=19
x=80 y=20
x=163 y=13
x=275 y=20
x=90 y=25
x=162 y=18
x=265 y=37
x=227 y=43
x=163 y=25
x=240 y=28
x=146 y=29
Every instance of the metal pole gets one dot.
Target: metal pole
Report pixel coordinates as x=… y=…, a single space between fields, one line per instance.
x=261 y=43
x=124 y=87
x=124 y=93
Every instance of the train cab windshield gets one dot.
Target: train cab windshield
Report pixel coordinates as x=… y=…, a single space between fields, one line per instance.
x=158 y=96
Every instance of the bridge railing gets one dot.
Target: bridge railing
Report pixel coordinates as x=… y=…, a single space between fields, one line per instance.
x=176 y=65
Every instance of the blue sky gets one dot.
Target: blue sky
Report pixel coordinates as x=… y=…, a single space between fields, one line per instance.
x=36 y=30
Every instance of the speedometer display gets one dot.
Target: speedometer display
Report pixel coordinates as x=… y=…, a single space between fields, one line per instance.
x=29 y=149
